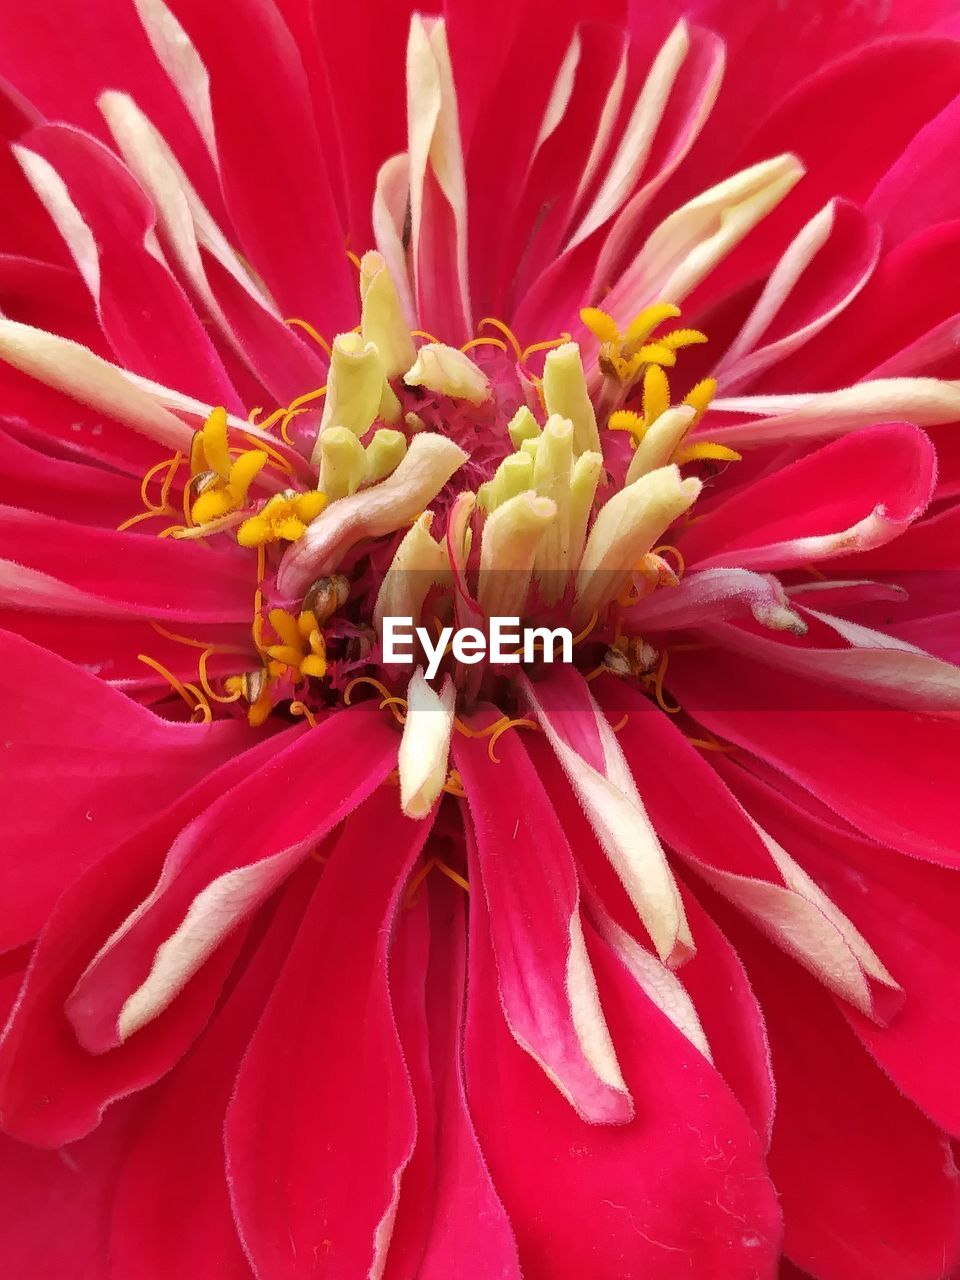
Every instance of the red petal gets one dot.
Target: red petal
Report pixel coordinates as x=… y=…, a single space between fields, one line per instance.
x=463 y=1226
x=327 y=1060
x=546 y=986
x=145 y=314
x=83 y=768
x=51 y=1091
x=276 y=185
x=65 y=568
x=854 y=493
x=887 y=772
x=157 y=1186
x=909 y=910
x=223 y=865
x=868 y=1185
x=680 y=1190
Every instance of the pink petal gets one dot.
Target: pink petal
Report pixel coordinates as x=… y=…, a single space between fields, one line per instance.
x=909 y=909
x=326 y=1060
x=222 y=866
x=83 y=768
x=887 y=772
x=54 y=1208
x=713 y=977
x=915 y=191
x=840 y=1125
x=144 y=313
x=275 y=183
x=62 y=58
x=546 y=985
x=52 y=1091
x=463 y=1224
x=682 y=1185
x=70 y=490
x=699 y=819
x=819 y=275
x=902 y=82
x=855 y=493
x=74 y=569
x=157 y=1186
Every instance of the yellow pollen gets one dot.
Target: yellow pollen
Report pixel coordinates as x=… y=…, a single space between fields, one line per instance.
x=284 y=517
x=226 y=480
x=624 y=356
x=301 y=648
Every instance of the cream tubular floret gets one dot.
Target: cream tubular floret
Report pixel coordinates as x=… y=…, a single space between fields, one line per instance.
x=508 y=550
x=625 y=529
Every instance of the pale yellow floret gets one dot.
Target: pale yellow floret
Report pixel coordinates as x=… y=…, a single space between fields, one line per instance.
x=514 y=475
x=425 y=745
x=625 y=529
x=355 y=388
x=343 y=463
x=384 y=454
x=448 y=372
x=381 y=319
x=419 y=563
x=660 y=441
x=523 y=426
x=511 y=537
x=565 y=392
x=552 y=469
x=373 y=512
x=583 y=489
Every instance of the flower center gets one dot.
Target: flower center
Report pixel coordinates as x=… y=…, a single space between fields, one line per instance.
x=448 y=486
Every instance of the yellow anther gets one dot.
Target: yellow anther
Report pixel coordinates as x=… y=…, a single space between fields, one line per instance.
x=705 y=452
x=301 y=648
x=601 y=325
x=643 y=324
x=701 y=395
x=220 y=480
x=677 y=339
x=625 y=356
x=284 y=517
x=210 y=450
x=255 y=686
x=656 y=393
x=627 y=420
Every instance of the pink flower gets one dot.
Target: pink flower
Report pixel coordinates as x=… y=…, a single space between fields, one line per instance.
x=641 y=965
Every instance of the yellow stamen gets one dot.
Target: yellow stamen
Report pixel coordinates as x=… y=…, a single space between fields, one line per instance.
x=705 y=452
x=677 y=554
x=310 y=330
x=507 y=332
x=298 y=708
x=543 y=346
x=182 y=688
x=302 y=648
x=497 y=731
x=483 y=342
